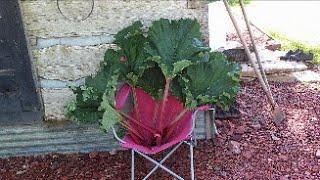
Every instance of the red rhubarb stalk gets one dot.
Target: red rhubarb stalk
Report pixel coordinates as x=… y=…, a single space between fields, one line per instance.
x=163 y=103
x=139 y=123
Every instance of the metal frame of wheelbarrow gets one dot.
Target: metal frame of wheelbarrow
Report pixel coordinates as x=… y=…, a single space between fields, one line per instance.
x=191 y=141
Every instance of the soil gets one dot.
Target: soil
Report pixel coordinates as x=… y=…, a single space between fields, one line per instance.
x=261 y=39
x=232 y=112
x=249 y=147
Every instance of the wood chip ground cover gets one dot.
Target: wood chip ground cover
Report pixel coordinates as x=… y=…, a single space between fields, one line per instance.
x=264 y=151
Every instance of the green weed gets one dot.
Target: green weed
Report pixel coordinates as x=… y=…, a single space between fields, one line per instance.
x=292 y=44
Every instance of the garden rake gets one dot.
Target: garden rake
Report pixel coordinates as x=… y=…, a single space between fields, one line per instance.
x=278 y=114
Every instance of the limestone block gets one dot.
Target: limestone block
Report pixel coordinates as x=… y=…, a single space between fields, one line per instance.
x=282 y=77
x=55 y=101
x=69 y=62
x=276 y=66
x=272 y=64
x=43 y=19
x=307 y=76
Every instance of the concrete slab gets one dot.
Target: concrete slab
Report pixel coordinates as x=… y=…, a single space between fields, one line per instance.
x=274 y=67
x=63 y=137
x=279 y=70
x=307 y=76
x=53 y=138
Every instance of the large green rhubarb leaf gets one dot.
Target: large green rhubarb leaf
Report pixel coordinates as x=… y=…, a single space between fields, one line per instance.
x=175 y=45
x=127 y=63
x=152 y=81
x=110 y=116
x=131 y=42
x=213 y=82
x=89 y=96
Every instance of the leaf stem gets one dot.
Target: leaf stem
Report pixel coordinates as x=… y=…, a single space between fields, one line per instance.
x=178 y=118
x=131 y=130
x=135 y=101
x=163 y=103
x=164 y=99
x=170 y=128
x=138 y=123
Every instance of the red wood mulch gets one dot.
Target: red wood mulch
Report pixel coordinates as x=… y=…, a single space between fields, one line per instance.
x=266 y=151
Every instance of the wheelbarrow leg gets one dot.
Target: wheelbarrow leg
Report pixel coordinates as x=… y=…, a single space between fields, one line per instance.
x=132 y=164
x=191 y=160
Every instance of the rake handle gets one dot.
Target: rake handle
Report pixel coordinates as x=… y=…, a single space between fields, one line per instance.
x=255 y=68
x=264 y=77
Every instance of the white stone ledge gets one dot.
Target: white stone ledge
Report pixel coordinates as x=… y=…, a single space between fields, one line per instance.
x=53 y=83
x=272 y=64
x=307 y=76
x=274 y=67
x=75 y=41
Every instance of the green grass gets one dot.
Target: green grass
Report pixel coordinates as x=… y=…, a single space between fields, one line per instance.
x=236 y=2
x=292 y=44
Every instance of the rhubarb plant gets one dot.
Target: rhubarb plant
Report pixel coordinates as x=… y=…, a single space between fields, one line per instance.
x=163 y=72
x=174 y=45
x=212 y=82
x=126 y=63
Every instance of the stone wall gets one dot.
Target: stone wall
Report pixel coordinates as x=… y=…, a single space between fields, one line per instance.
x=67 y=45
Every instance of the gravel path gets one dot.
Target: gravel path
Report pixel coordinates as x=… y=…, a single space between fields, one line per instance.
x=247 y=148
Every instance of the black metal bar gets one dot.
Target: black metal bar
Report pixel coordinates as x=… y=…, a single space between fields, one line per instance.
x=17 y=86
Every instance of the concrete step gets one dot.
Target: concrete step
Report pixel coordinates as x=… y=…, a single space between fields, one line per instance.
x=307 y=76
x=67 y=137
x=274 y=67
x=43 y=139
x=272 y=64
x=280 y=70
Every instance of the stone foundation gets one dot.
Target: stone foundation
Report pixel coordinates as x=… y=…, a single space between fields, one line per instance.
x=67 y=46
